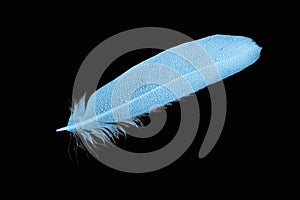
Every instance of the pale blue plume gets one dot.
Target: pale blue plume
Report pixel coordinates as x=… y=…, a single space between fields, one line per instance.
x=157 y=81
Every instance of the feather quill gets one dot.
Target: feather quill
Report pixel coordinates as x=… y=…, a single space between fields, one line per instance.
x=158 y=81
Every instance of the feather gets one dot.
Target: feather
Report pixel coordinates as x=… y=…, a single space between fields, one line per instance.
x=158 y=81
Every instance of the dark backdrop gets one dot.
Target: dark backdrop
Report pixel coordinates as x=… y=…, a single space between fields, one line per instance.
x=57 y=40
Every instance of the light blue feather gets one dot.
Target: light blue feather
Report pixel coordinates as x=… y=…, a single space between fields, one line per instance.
x=157 y=81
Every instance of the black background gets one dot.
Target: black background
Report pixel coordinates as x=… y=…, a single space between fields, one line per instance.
x=57 y=40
